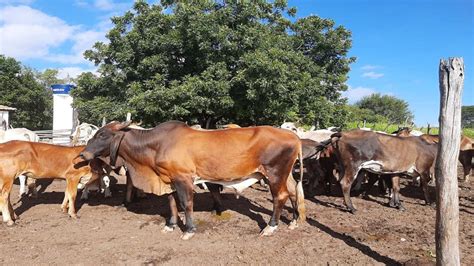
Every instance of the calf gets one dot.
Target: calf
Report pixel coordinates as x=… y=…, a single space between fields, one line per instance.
x=41 y=160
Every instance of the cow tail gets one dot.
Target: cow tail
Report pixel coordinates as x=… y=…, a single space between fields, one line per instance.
x=299 y=189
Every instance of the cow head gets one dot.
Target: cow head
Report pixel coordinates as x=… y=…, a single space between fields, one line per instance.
x=106 y=142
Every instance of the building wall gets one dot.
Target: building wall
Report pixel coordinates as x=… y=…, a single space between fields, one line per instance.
x=63 y=112
x=4 y=117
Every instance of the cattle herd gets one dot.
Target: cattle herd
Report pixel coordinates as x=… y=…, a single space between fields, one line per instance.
x=172 y=158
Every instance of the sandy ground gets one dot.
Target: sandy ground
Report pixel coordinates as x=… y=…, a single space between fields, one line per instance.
x=108 y=233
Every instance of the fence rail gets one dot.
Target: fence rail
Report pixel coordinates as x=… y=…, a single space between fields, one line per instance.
x=61 y=136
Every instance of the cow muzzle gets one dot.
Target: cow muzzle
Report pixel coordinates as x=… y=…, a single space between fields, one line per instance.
x=86 y=155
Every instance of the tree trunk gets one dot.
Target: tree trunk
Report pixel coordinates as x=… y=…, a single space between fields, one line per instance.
x=451 y=79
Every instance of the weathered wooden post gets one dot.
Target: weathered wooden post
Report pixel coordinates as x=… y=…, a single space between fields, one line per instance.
x=129 y=117
x=103 y=121
x=451 y=80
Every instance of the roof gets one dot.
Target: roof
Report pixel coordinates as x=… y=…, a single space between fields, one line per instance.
x=6 y=108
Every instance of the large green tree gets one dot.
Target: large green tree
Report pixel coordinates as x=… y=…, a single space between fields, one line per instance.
x=20 y=88
x=376 y=106
x=217 y=61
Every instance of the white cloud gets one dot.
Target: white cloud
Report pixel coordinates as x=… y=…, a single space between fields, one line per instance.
x=82 y=41
x=104 y=4
x=372 y=75
x=357 y=93
x=73 y=72
x=30 y=33
x=27 y=33
x=369 y=67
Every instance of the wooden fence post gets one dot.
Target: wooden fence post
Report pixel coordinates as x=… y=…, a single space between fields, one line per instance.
x=129 y=117
x=451 y=80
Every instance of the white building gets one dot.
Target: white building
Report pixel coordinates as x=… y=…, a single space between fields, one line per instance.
x=5 y=116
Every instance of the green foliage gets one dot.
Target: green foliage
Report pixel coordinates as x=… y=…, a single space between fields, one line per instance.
x=216 y=62
x=467 y=116
x=377 y=126
x=468 y=132
x=354 y=113
x=19 y=88
x=385 y=106
x=49 y=77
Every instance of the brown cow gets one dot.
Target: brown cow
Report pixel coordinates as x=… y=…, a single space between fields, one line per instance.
x=41 y=160
x=466 y=148
x=382 y=154
x=173 y=156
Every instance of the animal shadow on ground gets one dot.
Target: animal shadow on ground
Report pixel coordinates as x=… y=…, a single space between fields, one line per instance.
x=152 y=204
x=350 y=241
x=158 y=205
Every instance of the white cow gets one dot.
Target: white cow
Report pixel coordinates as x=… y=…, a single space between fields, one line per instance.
x=19 y=134
x=315 y=135
x=83 y=133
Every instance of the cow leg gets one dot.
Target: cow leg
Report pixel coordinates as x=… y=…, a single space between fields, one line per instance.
x=71 y=187
x=128 y=193
x=7 y=210
x=184 y=190
x=31 y=184
x=85 y=193
x=23 y=191
x=64 y=205
x=372 y=179
x=173 y=221
x=465 y=157
x=425 y=179
x=105 y=183
x=215 y=190
x=396 y=192
x=280 y=195
x=346 y=183
x=293 y=193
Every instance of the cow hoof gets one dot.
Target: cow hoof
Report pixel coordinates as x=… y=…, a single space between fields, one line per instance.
x=64 y=209
x=10 y=223
x=293 y=225
x=401 y=208
x=168 y=229
x=268 y=230
x=216 y=212
x=187 y=235
x=352 y=210
x=74 y=216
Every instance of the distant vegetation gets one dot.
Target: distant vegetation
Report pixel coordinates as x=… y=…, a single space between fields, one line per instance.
x=467 y=116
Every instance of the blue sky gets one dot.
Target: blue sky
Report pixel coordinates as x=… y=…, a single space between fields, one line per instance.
x=398 y=44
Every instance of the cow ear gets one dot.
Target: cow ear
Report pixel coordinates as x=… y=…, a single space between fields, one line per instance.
x=114 y=147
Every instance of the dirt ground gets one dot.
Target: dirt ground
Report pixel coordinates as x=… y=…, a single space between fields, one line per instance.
x=108 y=233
